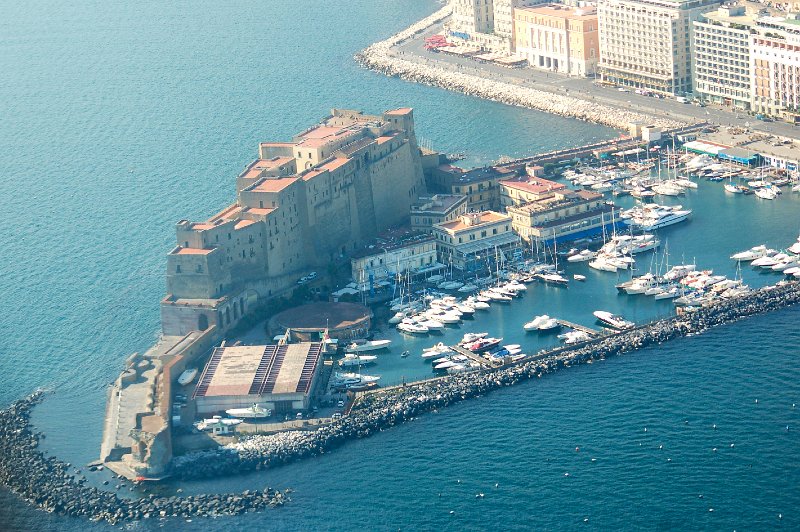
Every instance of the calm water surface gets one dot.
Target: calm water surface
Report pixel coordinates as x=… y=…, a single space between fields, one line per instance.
x=119 y=119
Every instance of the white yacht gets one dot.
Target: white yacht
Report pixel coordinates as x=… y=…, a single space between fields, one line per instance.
x=353 y=379
x=255 y=411
x=615 y=321
x=582 y=256
x=549 y=324
x=766 y=193
x=360 y=346
x=534 y=324
x=750 y=254
x=654 y=219
x=351 y=359
x=412 y=328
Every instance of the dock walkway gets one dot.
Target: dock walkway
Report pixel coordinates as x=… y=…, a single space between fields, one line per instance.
x=593 y=333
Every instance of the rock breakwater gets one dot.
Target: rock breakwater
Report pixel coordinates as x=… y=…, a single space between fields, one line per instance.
x=54 y=486
x=378 y=411
x=381 y=58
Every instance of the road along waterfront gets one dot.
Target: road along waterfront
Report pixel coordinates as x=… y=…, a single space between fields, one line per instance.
x=376 y=412
x=380 y=57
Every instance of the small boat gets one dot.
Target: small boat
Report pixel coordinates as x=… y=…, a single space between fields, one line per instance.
x=360 y=346
x=579 y=277
x=351 y=359
x=615 y=321
x=209 y=424
x=404 y=354
x=187 y=376
x=572 y=337
x=766 y=193
x=255 y=411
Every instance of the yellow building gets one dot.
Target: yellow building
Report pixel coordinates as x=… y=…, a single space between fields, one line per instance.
x=468 y=241
x=558 y=38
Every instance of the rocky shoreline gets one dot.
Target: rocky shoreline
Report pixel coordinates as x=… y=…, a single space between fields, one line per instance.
x=379 y=411
x=379 y=57
x=55 y=486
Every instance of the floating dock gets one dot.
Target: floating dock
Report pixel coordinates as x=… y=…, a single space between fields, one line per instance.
x=474 y=357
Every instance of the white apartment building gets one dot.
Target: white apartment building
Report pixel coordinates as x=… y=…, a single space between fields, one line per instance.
x=378 y=263
x=648 y=43
x=775 y=66
x=722 y=56
x=473 y=16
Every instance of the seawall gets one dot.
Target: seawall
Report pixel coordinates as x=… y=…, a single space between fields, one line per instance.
x=379 y=411
x=379 y=57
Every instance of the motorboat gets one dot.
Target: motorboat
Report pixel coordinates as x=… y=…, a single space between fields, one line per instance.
x=187 y=376
x=473 y=337
x=573 y=337
x=733 y=189
x=210 y=424
x=658 y=218
x=353 y=379
x=432 y=324
x=397 y=318
x=750 y=254
x=484 y=344
x=668 y=293
x=412 y=328
x=553 y=278
x=795 y=248
x=579 y=277
x=361 y=346
x=534 y=324
x=766 y=193
x=255 y=411
x=767 y=260
x=613 y=320
x=478 y=305
x=549 y=324
x=351 y=359
x=600 y=263
x=444 y=365
x=469 y=287
x=582 y=256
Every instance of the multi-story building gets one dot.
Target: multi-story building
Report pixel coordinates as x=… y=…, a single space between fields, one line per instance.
x=468 y=242
x=480 y=185
x=558 y=38
x=722 y=56
x=648 y=43
x=473 y=16
x=775 y=66
x=562 y=215
x=411 y=255
x=518 y=192
x=302 y=205
x=432 y=210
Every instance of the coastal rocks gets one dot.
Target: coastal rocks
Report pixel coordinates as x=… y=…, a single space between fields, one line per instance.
x=380 y=58
x=48 y=483
x=378 y=411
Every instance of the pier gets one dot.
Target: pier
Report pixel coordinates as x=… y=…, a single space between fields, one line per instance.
x=474 y=357
x=593 y=333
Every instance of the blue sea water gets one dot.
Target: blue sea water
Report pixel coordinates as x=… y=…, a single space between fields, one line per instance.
x=119 y=119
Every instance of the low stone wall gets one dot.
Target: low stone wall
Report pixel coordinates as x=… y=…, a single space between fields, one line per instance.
x=378 y=57
x=55 y=486
x=379 y=411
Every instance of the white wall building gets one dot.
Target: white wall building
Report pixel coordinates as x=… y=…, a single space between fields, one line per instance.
x=648 y=43
x=380 y=263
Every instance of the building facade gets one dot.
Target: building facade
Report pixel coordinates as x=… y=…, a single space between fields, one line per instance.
x=470 y=241
x=558 y=38
x=473 y=16
x=303 y=204
x=563 y=215
x=378 y=263
x=647 y=44
x=432 y=210
x=480 y=185
x=775 y=67
x=722 y=56
x=519 y=192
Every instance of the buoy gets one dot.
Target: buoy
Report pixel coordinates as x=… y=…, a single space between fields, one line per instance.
x=577 y=449
x=710 y=509
x=714 y=449
x=731 y=445
x=645 y=429
x=780 y=516
x=458 y=481
x=700 y=496
x=714 y=426
x=660 y=446
x=566 y=474
x=756 y=401
x=497 y=485
x=669 y=459
x=585 y=519
x=452 y=512
x=594 y=459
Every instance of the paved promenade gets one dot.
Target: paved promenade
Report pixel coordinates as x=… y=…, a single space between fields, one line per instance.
x=583 y=88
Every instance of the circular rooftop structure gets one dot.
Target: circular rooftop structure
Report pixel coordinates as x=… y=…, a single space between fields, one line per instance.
x=343 y=320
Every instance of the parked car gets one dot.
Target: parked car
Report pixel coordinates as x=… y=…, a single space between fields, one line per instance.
x=623 y=89
x=340 y=404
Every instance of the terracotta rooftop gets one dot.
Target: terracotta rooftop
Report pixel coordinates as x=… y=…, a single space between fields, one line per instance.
x=243 y=223
x=338 y=162
x=534 y=185
x=259 y=165
x=384 y=139
x=482 y=218
x=259 y=211
x=191 y=251
x=272 y=184
x=401 y=111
